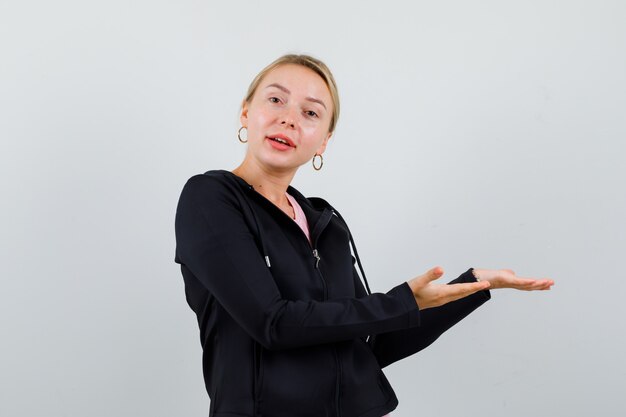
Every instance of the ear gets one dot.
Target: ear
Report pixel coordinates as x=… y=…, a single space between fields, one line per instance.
x=322 y=147
x=243 y=117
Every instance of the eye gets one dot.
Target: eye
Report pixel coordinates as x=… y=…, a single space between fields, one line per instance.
x=274 y=100
x=311 y=113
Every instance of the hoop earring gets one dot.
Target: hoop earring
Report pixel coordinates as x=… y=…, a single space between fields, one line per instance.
x=317 y=168
x=239 y=134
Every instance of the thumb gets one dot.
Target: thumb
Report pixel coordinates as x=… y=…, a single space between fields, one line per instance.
x=432 y=274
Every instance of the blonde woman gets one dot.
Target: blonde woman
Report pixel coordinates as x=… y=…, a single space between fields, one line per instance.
x=286 y=325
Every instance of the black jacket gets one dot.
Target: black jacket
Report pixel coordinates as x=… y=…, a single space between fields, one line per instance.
x=287 y=328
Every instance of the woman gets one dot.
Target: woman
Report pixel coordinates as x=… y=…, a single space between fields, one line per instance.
x=286 y=326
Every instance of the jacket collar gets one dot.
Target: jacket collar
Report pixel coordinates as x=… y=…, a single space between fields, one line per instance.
x=315 y=209
x=314 y=203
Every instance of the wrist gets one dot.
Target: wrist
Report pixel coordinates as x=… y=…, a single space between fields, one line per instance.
x=485 y=275
x=476 y=274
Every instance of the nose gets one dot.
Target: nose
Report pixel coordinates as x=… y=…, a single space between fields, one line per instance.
x=288 y=119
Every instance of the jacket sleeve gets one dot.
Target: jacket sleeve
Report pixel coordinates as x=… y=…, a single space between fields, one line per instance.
x=390 y=347
x=214 y=242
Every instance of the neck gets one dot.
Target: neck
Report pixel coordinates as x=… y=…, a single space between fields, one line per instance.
x=272 y=185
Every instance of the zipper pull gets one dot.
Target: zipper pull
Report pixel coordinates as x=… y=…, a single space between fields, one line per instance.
x=316 y=255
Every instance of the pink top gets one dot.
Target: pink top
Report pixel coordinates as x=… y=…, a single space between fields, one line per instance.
x=301 y=221
x=300 y=216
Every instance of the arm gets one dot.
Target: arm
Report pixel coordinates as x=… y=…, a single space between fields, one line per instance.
x=215 y=243
x=391 y=347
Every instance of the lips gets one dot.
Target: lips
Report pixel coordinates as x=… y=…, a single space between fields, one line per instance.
x=282 y=139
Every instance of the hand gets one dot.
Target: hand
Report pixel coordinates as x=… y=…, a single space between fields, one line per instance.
x=428 y=294
x=505 y=278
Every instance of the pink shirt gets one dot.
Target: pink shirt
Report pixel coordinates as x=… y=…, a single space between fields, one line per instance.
x=301 y=221
x=300 y=216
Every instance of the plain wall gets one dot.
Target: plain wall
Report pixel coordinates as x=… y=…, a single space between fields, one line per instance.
x=486 y=133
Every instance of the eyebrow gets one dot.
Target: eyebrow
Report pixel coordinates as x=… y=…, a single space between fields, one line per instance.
x=283 y=88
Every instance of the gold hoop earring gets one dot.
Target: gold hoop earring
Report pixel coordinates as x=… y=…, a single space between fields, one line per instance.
x=239 y=134
x=317 y=168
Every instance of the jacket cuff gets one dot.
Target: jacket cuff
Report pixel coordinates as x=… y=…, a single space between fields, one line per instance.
x=404 y=293
x=468 y=276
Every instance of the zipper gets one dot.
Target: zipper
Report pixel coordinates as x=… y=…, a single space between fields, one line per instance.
x=316 y=255
x=258 y=376
x=317 y=258
x=337 y=383
x=323 y=221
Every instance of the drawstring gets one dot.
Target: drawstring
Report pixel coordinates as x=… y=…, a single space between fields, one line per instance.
x=256 y=222
x=369 y=339
x=259 y=230
x=356 y=253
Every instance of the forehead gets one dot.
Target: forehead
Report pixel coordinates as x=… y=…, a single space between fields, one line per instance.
x=299 y=80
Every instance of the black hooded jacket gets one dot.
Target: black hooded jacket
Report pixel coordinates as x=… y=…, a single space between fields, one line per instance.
x=286 y=326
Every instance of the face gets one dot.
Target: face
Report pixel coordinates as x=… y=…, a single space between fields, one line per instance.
x=288 y=118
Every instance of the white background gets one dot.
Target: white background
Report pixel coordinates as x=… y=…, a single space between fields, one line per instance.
x=483 y=133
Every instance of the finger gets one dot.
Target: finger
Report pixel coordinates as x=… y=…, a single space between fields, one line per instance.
x=432 y=274
x=536 y=286
x=546 y=284
x=533 y=285
x=457 y=291
x=524 y=283
x=529 y=281
x=535 y=279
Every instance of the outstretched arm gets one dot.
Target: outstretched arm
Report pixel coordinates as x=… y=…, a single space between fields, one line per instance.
x=438 y=315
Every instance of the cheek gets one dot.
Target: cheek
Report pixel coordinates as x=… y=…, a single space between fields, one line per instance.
x=260 y=118
x=315 y=136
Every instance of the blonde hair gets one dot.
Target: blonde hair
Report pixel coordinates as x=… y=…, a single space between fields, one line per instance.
x=309 y=62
